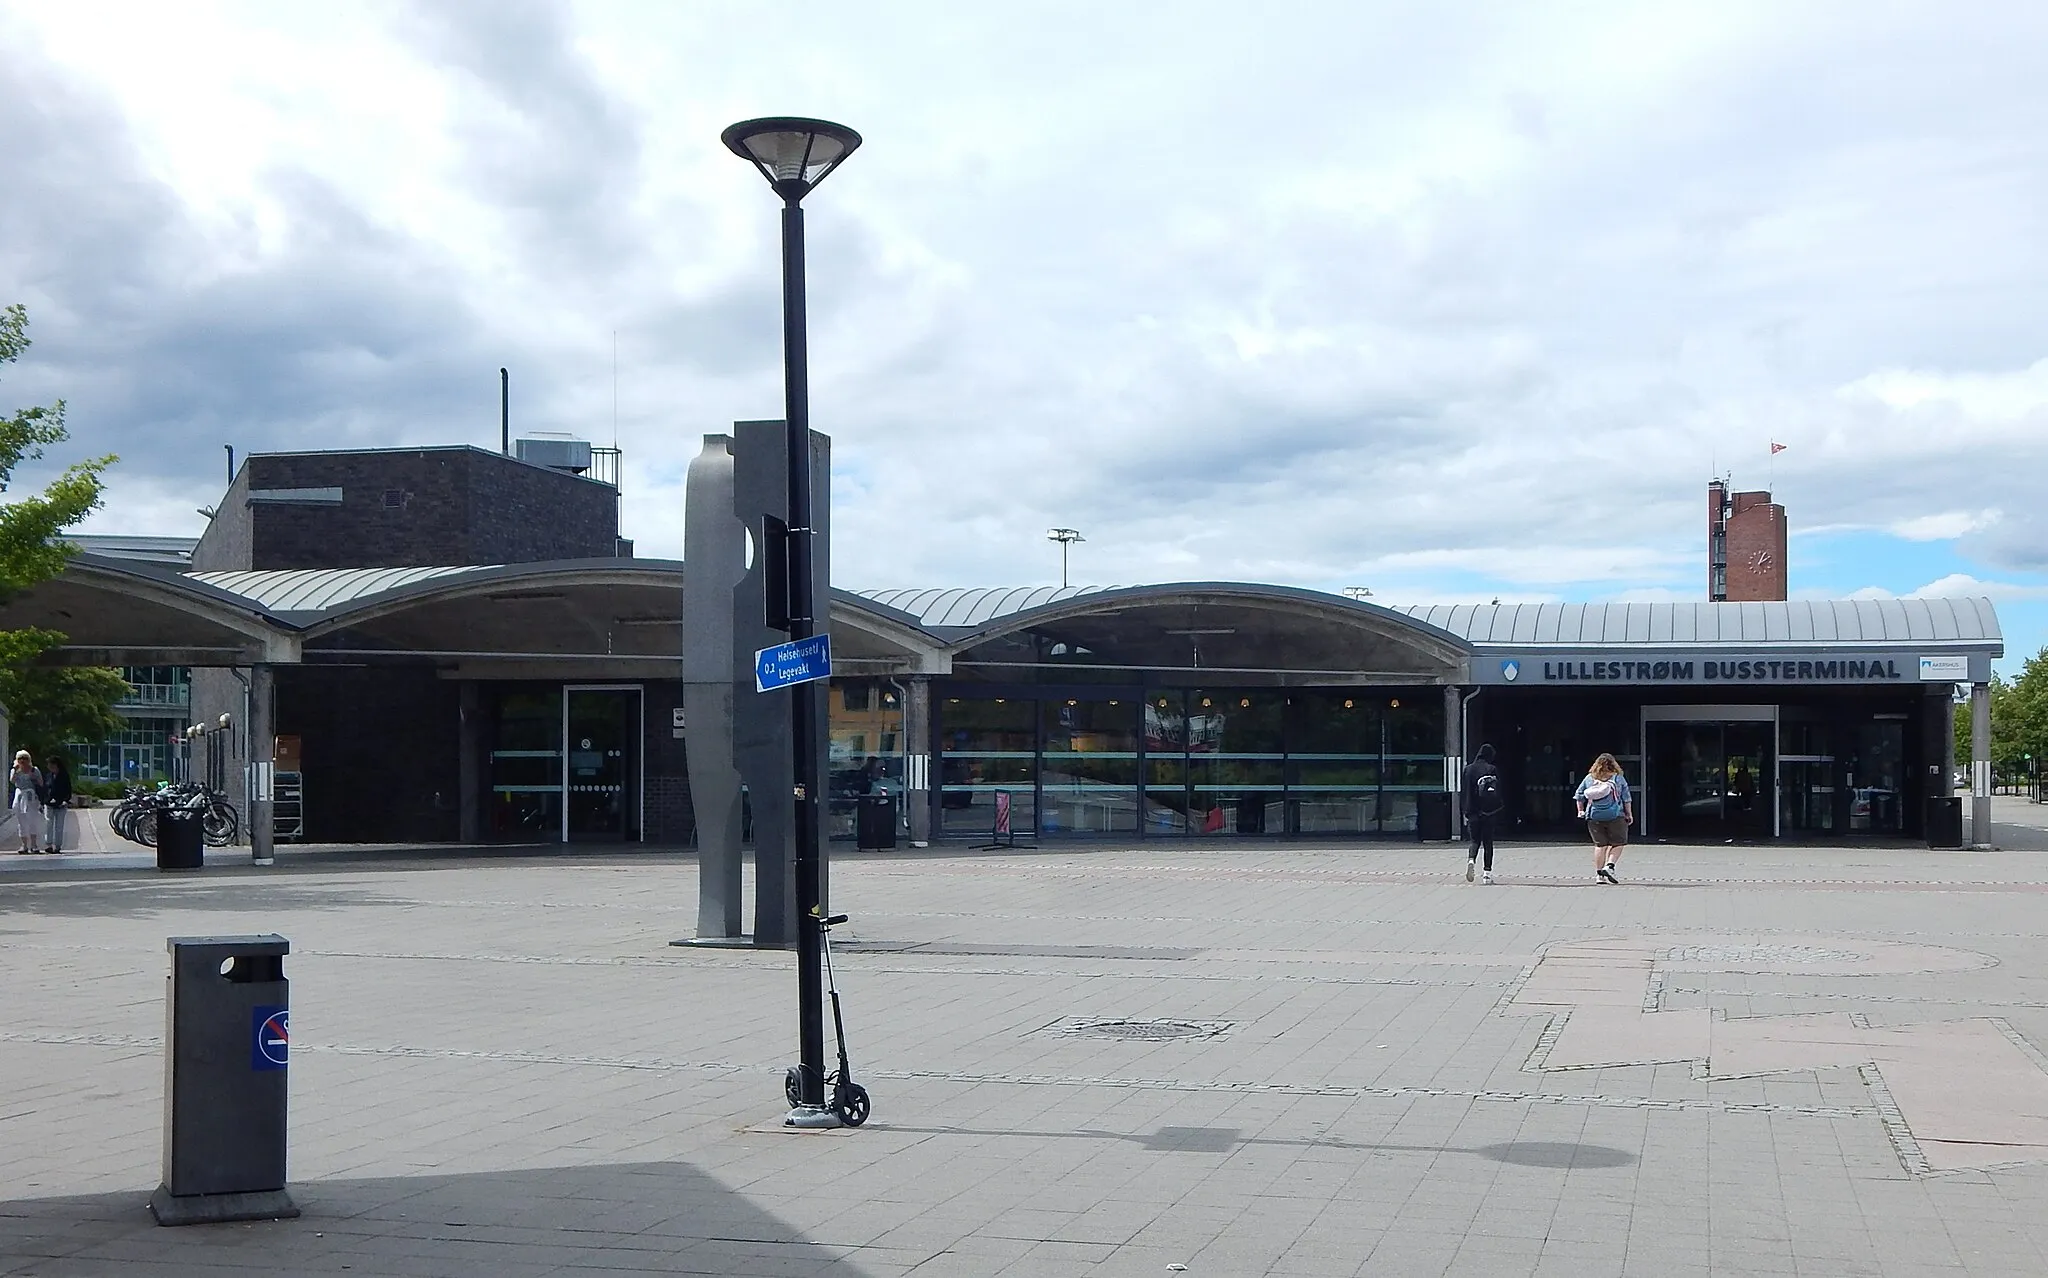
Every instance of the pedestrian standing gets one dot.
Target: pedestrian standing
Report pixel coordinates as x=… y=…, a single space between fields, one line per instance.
x=56 y=804
x=1608 y=809
x=1484 y=802
x=26 y=801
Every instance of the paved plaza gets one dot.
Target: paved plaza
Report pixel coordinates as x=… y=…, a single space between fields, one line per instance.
x=1217 y=1059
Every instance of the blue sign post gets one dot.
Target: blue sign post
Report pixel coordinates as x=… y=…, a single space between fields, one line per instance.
x=788 y=664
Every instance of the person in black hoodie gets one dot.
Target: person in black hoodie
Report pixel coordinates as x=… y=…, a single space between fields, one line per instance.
x=1484 y=802
x=56 y=804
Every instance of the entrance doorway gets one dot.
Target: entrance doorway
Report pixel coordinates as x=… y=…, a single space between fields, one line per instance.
x=1712 y=772
x=601 y=737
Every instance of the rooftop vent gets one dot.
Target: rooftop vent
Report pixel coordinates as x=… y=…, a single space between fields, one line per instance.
x=557 y=450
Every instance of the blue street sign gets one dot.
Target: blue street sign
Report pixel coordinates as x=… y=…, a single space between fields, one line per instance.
x=787 y=664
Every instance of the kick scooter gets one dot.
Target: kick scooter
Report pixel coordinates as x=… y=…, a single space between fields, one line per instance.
x=848 y=1099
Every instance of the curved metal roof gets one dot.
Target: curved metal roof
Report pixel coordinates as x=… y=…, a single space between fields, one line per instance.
x=1797 y=621
x=318 y=589
x=975 y=605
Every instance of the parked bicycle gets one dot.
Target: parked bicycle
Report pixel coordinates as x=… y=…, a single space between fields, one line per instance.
x=136 y=817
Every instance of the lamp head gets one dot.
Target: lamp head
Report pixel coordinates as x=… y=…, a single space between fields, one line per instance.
x=792 y=152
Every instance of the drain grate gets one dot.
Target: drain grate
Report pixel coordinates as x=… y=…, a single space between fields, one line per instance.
x=1138 y=1031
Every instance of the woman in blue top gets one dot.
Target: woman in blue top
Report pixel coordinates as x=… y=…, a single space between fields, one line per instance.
x=1608 y=809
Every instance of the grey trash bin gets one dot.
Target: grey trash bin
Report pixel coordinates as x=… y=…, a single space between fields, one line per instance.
x=874 y=822
x=1433 y=817
x=180 y=841
x=227 y=1050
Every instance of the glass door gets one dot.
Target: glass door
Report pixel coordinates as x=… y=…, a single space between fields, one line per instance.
x=601 y=728
x=1747 y=790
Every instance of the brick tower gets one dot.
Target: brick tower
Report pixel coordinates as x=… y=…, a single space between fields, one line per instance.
x=1745 y=546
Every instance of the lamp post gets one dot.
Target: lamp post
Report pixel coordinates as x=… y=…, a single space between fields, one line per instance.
x=796 y=154
x=1065 y=537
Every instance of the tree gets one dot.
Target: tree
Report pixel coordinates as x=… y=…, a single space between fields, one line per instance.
x=49 y=707
x=2019 y=720
x=32 y=549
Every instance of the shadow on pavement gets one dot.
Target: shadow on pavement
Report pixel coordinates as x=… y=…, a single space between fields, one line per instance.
x=131 y=896
x=666 y=1218
x=1225 y=1140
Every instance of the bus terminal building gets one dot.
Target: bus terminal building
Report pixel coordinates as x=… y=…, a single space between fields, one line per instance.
x=475 y=682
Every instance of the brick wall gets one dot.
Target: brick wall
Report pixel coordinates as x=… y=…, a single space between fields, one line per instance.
x=380 y=752
x=668 y=813
x=409 y=508
x=1756 y=549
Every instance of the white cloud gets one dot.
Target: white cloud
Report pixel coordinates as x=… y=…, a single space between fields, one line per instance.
x=1946 y=526
x=1959 y=585
x=1462 y=300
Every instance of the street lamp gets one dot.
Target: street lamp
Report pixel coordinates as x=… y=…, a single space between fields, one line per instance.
x=796 y=154
x=1065 y=537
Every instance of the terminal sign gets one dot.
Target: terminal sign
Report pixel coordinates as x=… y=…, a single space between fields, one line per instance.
x=788 y=664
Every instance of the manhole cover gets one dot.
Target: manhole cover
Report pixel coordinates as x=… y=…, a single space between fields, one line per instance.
x=1771 y=954
x=1139 y=1031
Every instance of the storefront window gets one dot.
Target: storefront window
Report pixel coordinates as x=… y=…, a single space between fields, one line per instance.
x=1333 y=763
x=1876 y=767
x=865 y=748
x=1414 y=760
x=526 y=767
x=991 y=747
x=1090 y=774
x=1166 y=765
x=1236 y=762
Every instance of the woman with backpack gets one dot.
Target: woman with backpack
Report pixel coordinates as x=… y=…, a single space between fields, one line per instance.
x=1608 y=809
x=26 y=799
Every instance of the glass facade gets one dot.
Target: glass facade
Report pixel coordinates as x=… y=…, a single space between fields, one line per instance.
x=865 y=748
x=526 y=766
x=990 y=746
x=1195 y=762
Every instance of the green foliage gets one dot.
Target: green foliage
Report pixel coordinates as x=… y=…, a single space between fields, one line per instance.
x=31 y=545
x=2019 y=721
x=48 y=706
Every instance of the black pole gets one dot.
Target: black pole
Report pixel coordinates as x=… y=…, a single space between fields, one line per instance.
x=505 y=412
x=810 y=985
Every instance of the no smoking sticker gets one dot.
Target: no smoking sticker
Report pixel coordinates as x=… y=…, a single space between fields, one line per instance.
x=271 y=1048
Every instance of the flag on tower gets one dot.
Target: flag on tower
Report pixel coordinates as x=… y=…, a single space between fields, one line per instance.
x=1776 y=448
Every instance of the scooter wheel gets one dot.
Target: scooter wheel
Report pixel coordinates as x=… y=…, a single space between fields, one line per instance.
x=851 y=1104
x=793 y=1087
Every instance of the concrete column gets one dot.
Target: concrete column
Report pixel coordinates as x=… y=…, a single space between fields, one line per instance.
x=469 y=787
x=262 y=763
x=917 y=729
x=1980 y=765
x=1454 y=755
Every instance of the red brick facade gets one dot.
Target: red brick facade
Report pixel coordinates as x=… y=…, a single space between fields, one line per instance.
x=1746 y=547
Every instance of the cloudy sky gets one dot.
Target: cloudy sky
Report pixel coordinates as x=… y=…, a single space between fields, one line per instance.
x=1449 y=301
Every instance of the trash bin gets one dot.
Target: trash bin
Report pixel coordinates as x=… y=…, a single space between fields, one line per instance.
x=874 y=822
x=180 y=841
x=1433 y=817
x=226 y=1048
x=1944 y=821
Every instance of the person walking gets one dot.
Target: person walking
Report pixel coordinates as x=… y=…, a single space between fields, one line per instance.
x=26 y=801
x=56 y=804
x=1484 y=802
x=1608 y=809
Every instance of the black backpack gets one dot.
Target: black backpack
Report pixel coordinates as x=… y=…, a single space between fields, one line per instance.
x=1486 y=787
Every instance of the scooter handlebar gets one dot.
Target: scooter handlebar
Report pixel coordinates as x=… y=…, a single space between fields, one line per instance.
x=833 y=921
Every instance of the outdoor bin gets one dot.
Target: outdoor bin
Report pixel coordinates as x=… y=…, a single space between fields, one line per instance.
x=1944 y=821
x=180 y=841
x=226 y=1052
x=1433 y=817
x=875 y=822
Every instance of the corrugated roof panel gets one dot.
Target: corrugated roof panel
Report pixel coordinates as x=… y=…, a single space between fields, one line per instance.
x=313 y=589
x=1537 y=623
x=1943 y=623
x=1799 y=622
x=1636 y=622
x=1897 y=624
x=1778 y=623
